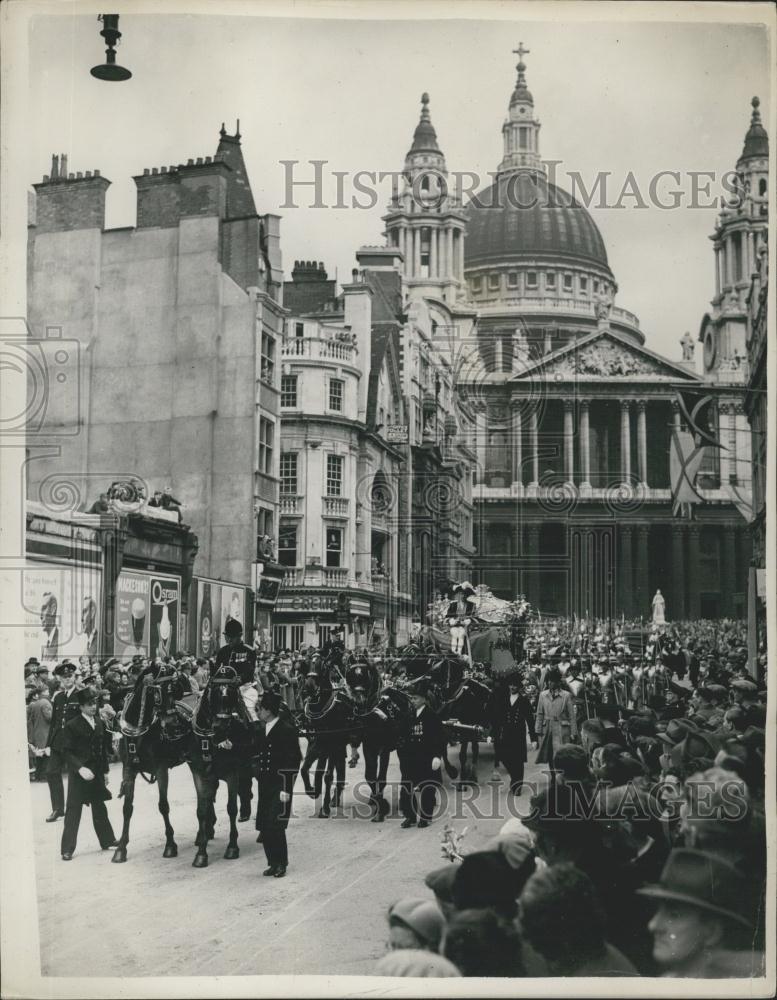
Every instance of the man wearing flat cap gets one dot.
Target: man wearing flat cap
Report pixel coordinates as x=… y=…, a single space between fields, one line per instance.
x=64 y=707
x=84 y=749
x=277 y=763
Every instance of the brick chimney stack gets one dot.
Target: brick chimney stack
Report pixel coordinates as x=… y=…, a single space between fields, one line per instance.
x=64 y=202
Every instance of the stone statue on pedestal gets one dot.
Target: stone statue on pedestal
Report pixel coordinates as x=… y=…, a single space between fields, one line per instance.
x=659 y=609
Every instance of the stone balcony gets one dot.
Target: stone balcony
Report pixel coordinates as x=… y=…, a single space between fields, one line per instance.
x=339 y=578
x=319 y=349
x=625 y=496
x=290 y=504
x=334 y=506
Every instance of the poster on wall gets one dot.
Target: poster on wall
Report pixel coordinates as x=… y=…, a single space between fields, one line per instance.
x=62 y=611
x=216 y=602
x=147 y=609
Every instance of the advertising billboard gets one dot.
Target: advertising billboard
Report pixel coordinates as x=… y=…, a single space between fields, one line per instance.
x=147 y=613
x=216 y=602
x=62 y=606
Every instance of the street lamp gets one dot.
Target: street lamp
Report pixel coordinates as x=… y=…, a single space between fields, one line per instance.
x=110 y=70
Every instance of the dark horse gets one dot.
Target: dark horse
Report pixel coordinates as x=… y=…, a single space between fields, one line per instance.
x=326 y=720
x=466 y=717
x=154 y=732
x=223 y=737
x=380 y=721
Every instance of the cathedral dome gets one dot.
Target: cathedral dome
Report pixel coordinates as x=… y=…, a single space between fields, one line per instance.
x=522 y=215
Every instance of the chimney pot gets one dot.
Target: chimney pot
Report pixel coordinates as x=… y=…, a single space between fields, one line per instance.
x=71 y=177
x=97 y=173
x=88 y=173
x=54 y=166
x=190 y=162
x=163 y=170
x=208 y=159
x=154 y=170
x=146 y=171
x=45 y=178
x=199 y=161
x=79 y=175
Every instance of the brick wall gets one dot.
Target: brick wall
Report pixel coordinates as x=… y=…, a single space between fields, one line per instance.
x=72 y=203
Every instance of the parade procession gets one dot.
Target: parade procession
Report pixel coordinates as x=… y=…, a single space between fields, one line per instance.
x=394 y=582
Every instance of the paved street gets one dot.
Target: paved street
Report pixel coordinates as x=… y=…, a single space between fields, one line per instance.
x=153 y=916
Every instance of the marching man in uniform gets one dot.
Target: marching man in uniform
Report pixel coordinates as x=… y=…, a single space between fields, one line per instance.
x=277 y=764
x=420 y=761
x=84 y=748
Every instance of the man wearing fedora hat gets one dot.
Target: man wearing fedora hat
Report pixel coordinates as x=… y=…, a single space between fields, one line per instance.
x=705 y=920
x=64 y=707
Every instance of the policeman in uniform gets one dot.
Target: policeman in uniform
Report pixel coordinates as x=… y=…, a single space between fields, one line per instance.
x=83 y=746
x=241 y=658
x=64 y=707
x=420 y=760
x=277 y=765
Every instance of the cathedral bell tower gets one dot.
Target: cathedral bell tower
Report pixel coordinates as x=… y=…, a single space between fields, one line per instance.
x=521 y=129
x=426 y=221
x=739 y=236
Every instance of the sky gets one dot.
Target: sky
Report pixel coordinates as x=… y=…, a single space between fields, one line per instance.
x=621 y=98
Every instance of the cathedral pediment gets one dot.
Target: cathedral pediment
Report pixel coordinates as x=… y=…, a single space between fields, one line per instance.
x=605 y=356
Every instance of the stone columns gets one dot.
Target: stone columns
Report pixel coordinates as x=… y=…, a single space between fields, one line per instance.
x=432 y=253
x=535 y=450
x=498 y=352
x=449 y=255
x=625 y=440
x=724 y=411
x=642 y=578
x=518 y=557
x=516 y=430
x=717 y=271
x=625 y=585
x=533 y=555
x=416 y=253
x=585 y=443
x=569 y=440
x=728 y=571
x=677 y=611
x=676 y=422
x=460 y=257
x=694 y=582
x=642 y=440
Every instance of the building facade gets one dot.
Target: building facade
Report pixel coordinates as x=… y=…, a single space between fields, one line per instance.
x=168 y=334
x=572 y=413
x=339 y=538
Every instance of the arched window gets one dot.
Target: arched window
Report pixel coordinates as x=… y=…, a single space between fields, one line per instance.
x=762 y=186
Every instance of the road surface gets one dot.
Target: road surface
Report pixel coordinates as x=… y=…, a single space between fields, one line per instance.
x=155 y=917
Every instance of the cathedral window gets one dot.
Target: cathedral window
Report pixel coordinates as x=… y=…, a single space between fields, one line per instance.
x=531 y=279
x=762 y=187
x=493 y=282
x=477 y=284
x=596 y=286
x=584 y=285
x=512 y=279
x=567 y=282
x=550 y=280
x=523 y=138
